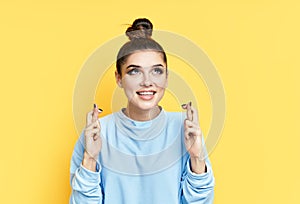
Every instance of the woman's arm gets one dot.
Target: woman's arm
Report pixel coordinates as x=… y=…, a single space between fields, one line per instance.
x=85 y=167
x=197 y=188
x=197 y=180
x=85 y=180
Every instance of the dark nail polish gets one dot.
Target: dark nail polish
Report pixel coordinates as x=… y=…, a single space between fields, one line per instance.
x=94 y=105
x=190 y=103
x=183 y=105
x=100 y=110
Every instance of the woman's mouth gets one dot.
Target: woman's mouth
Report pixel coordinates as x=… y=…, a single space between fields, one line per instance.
x=146 y=95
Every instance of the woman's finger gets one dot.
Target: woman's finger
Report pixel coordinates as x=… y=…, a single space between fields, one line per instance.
x=96 y=124
x=95 y=113
x=93 y=125
x=194 y=131
x=189 y=113
x=92 y=131
x=95 y=137
x=89 y=116
x=194 y=115
x=188 y=123
x=188 y=109
x=92 y=115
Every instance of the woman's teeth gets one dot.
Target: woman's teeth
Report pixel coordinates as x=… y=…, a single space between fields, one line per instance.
x=146 y=93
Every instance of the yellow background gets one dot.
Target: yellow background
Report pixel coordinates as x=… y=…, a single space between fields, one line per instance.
x=254 y=45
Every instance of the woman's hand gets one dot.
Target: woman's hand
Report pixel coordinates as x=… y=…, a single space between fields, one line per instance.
x=92 y=139
x=193 y=139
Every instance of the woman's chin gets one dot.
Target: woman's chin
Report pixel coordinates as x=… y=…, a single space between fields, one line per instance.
x=147 y=106
x=144 y=105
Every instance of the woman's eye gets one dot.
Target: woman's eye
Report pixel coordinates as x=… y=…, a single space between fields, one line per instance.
x=133 y=71
x=158 y=71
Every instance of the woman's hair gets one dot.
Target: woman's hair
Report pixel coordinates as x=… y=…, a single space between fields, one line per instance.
x=139 y=34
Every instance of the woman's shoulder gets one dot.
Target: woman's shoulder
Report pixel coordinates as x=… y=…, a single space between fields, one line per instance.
x=176 y=115
x=106 y=118
x=175 y=118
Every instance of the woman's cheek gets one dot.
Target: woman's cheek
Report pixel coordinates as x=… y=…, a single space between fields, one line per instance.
x=130 y=89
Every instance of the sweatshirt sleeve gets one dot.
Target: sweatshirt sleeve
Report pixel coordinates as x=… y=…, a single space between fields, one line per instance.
x=197 y=188
x=85 y=184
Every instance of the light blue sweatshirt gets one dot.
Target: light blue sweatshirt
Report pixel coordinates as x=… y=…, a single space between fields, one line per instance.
x=140 y=163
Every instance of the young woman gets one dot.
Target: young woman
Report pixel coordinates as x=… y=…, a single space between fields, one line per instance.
x=142 y=154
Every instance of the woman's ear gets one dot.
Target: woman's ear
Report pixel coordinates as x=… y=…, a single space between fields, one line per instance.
x=167 y=79
x=118 y=79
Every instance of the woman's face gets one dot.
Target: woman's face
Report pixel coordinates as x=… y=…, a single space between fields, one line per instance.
x=144 y=79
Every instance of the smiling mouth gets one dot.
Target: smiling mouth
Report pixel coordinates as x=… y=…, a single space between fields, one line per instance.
x=146 y=93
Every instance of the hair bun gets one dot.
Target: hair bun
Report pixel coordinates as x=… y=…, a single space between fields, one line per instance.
x=140 y=28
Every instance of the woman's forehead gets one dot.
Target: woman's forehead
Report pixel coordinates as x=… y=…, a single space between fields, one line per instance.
x=145 y=58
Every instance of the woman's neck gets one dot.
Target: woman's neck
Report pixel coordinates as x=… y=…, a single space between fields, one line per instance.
x=142 y=115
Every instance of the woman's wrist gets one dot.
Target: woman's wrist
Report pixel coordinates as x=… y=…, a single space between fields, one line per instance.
x=198 y=166
x=89 y=162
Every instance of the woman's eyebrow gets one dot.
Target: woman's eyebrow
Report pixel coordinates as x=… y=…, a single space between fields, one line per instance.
x=158 y=65
x=133 y=65
x=137 y=66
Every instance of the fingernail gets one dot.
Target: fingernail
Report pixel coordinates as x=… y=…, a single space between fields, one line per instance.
x=183 y=105
x=94 y=105
x=100 y=110
x=190 y=103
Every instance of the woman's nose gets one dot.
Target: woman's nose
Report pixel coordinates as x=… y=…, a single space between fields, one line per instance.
x=146 y=81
